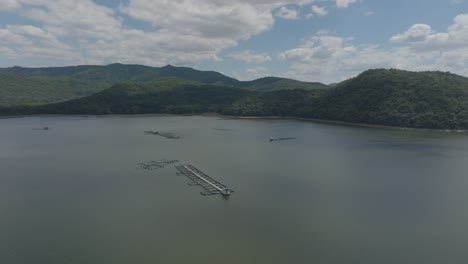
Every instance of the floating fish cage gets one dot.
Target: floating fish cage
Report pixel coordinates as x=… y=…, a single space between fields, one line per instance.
x=151 y=132
x=210 y=185
x=167 y=135
x=154 y=165
x=281 y=138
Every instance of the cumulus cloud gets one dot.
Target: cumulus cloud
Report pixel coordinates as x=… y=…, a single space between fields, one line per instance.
x=8 y=4
x=418 y=32
x=29 y=41
x=318 y=48
x=203 y=18
x=344 y=3
x=249 y=56
x=252 y=73
x=255 y=73
x=329 y=58
x=422 y=38
x=184 y=32
x=187 y=32
x=320 y=11
x=287 y=13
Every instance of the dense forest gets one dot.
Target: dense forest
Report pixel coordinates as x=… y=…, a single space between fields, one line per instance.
x=381 y=97
x=33 y=86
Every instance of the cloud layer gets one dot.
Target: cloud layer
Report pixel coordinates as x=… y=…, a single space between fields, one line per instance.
x=183 y=32
x=189 y=32
x=328 y=58
x=249 y=56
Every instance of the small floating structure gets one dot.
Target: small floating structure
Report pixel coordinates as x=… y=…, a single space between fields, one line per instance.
x=169 y=135
x=199 y=178
x=162 y=134
x=154 y=165
x=42 y=128
x=281 y=138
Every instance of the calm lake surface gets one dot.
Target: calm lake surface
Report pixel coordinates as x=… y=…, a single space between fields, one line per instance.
x=336 y=194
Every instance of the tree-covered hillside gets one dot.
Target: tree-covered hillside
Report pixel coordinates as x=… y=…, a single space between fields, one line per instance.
x=276 y=103
x=379 y=97
x=269 y=84
x=163 y=96
x=17 y=90
x=398 y=98
x=20 y=86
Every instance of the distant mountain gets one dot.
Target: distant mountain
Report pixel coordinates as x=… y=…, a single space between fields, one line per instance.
x=20 y=90
x=167 y=95
x=269 y=84
x=435 y=100
x=19 y=86
x=115 y=73
x=398 y=98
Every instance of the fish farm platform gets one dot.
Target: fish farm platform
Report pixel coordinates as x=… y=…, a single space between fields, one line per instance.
x=154 y=165
x=199 y=178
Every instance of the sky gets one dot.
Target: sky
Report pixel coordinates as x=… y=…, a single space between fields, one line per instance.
x=310 y=40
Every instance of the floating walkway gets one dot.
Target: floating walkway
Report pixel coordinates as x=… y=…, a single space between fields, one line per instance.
x=210 y=185
x=281 y=138
x=154 y=165
x=167 y=135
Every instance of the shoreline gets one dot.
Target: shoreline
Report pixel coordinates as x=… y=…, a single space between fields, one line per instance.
x=344 y=123
x=323 y=121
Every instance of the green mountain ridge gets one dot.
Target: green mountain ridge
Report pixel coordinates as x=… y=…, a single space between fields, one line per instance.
x=20 y=86
x=268 y=84
x=168 y=95
x=435 y=100
x=398 y=98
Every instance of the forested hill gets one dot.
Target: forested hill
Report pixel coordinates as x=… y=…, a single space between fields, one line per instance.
x=398 y=98
x=20 y=86
x=435 y=100
x=269 y=84
x=167 y=95
x=378 y=97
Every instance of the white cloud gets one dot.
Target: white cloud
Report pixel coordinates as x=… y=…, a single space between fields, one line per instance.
x=6 y=52
x=287 y=13
x=320 y=47
x=418 y=32
x=369 y=13
x=320 y=11
x=249 y=56
x=252 y=73
x=330 y=58
x=8 y=4
x=203 y=18
x=29 y=41
x=344 y=3
x=323 y=32
x=185 y=32
x=422 y=38
x=256 y=73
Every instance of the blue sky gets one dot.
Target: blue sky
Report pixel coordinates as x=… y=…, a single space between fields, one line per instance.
x=312 y=40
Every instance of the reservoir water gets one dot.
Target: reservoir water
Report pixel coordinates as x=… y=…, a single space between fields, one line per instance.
x=335 y=194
